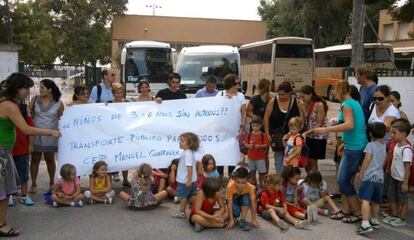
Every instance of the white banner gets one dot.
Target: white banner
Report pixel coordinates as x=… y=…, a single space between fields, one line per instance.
x=125 y=135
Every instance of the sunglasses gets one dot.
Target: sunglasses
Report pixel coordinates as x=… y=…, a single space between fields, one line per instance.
x=378 y=98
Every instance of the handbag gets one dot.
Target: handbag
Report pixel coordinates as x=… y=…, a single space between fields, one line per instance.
x=278 y=133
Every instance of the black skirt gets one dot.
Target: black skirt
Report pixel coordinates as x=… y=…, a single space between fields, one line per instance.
x=317 y=148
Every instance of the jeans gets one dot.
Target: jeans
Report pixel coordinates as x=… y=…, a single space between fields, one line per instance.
x=238 y=202
x=348 y=167
x=279 y=156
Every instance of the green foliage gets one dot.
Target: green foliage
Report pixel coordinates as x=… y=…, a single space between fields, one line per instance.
x=76 y=31
x=328 y=22
x=405 y=13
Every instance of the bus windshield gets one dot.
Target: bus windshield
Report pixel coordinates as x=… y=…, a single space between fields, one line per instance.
x=294 y=51
x=152 y=64
x=195 y=69
x=377 y=55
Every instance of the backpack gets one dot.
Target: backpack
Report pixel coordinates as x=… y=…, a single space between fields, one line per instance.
x=260 y=206
x=99 y=93
x=304 y=154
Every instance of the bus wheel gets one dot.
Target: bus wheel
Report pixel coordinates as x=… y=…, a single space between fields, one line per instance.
x=331 y=94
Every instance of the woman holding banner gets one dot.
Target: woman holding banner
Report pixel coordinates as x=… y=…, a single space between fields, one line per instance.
x=80 y=95
x=12 y=91
x=46 y=110
x=231 y=89
x=119 y=97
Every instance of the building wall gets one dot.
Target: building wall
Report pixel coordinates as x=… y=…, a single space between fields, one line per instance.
x=182 y=32
x=9 y=59
x=395 y=32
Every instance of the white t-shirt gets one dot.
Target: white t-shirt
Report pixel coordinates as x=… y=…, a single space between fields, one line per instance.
x=390 y=112
x=402 y=154
x=314 y=194
x=187 y=159
x=240 y=97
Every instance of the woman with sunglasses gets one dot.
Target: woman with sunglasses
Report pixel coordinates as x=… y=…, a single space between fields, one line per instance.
x=382 y=109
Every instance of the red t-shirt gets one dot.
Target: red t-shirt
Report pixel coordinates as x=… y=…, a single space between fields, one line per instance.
x=258 y=153
x=21 y=146
x=272 y=198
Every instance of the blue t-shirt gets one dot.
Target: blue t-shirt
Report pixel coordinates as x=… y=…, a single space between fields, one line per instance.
x=366 y=98
x=376 y=166
x=106 y=94
x=355 y=139
x=204 y=93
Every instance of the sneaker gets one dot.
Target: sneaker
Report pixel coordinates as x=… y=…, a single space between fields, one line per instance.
x=374 y=225
x=27 y=201
x=398 y=222
x=198 y=227
x=176 y=200
x=179 y=215
x=323 y=212
x=282 y=225
x=388 y=220
x=12 y=201
x=55 y=204
x=363 y=230
x=244 y=225
x=301 y=224
x=76 y=204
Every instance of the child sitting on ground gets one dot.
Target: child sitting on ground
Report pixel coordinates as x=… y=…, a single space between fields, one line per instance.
x=100 y=185
x=240 y=196
x=206 y=168
x=172 y=181
x=290 y=180
x=314 y=191
x=141 y=196
x=272 y=204
x=293 y=143
x=372 y=178
x=400 y=173
x=67 y=190
x=203 y=213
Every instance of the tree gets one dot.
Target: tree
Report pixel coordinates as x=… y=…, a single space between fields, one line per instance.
x=33 y=29
x=405 y=12
x=83 y=37
x=357 y=35
x=304 y=19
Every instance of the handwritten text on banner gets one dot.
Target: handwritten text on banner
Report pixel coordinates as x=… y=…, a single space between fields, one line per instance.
x=125 y=135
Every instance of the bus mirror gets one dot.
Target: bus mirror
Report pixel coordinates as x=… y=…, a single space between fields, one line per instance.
x=244 y=86
x=123 y=56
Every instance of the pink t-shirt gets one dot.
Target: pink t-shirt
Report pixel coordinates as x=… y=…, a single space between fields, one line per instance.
x=68 y=187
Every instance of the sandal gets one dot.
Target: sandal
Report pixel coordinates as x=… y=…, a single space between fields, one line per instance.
x=339 y=215
x=352 y=219
x=11 y=233
x=33 y=190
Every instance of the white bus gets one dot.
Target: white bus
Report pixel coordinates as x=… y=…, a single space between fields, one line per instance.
x=331 y=63
x=404 y=58
x=148 y=60
x=279 y=59
x=196 y=64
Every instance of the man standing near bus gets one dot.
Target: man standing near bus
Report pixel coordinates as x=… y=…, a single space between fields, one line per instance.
x=209 y=90
x=173 y=92
x=365 y=75
x=103 y=92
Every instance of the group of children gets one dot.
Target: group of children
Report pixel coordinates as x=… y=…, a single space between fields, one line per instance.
x=385 y=173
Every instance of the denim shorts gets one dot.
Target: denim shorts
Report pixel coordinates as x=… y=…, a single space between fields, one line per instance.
x=257 y=165
x=238 y=202
x=371 y=191
x=185 y=192
x=394 y=191
x=348 y=167
x=22 y=166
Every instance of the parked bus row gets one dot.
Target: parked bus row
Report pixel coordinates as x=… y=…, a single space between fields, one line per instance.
x=291 y=59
